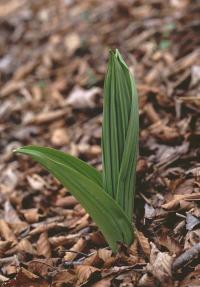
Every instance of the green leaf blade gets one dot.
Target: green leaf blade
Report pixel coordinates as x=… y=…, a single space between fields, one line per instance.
x=107 y=214
x=120 y=133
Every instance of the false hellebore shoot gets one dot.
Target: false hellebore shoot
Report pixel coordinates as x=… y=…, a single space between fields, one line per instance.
x=107 y=197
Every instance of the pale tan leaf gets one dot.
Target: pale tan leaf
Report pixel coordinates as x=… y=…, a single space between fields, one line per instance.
x=76 y=248
x=6 y=231
x=43 y=245
x=85 y=273
x=143 y=242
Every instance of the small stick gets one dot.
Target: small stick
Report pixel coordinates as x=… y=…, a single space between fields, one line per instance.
x=186 y=257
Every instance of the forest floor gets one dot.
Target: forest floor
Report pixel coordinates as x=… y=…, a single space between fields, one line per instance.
x=53 y=57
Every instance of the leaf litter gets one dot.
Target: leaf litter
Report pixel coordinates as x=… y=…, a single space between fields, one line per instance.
x=51 y=94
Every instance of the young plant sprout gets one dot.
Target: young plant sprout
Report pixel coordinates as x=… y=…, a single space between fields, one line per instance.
x=108 y=198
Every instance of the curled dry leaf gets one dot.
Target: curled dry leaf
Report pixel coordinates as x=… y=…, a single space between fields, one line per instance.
x=59 y=137
x=100 y=258
x=160 y=265
x=12 y=218
x=87 y=273
x=81 y=223
x=43 y=245
x=67 y=201
x=164 y=239
x=26 y=278
x=144 y=243
x=72 y=42
x=40 y=267
x=36 y=182
x=31 y=215
x=10 y=214
x=73 y=252
x=147 y=280
x=4 y=246
x=82 y=99
x=106 y=282
x=26 y=246
x=7 y=232
x=191 y=280
x=64 y=277
x=175 y=202
x=63 y=240
x=192 y=238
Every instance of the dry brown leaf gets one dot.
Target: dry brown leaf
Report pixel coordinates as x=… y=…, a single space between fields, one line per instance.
x=43 y=245
x=11 y=87
x=160 y=265
x=67 y=201
x=46 y=117
x=31 y=215
x=147 y=280
x=81 y=223
x=191 y=280
x=26 y=246
x=67 y=277
x=175 y=202
x=82 y=99
x=87 y=273
x=143 y=242
x=164 y=239
x=192 y=238
x=104 y=254
x=12 y=218
x=36 y=182
x=40 y=267
x=72 y=42
x=76 y=248
x=26 y=278
x=63 y=240
x=24 y=70
x=103 y=283
x=59 y=137
x=4 y=246
x=7 y=232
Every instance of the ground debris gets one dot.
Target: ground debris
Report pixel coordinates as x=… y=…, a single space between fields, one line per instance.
x=53 y=57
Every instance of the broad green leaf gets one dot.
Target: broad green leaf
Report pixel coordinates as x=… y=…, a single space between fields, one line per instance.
x=120 y=133
x=85 y=186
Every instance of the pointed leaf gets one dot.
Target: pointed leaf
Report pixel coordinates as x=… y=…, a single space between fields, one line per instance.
x=107 y=214
x=120 y=133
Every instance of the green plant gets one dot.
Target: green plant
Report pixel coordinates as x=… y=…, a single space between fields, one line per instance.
x=108 y=198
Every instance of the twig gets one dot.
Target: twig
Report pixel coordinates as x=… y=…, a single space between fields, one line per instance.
x=186 y=257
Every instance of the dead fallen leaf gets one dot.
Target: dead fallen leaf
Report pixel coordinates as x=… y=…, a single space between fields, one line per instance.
x=59 y=137
x=144 y=243
x=175 y=202
x=6 y=231
x=26 y=246
x=43 y=245
x=87 y=274
x=67 y=201
x=62 y=277
x=160 y=265
x=73 y=252
x=81 y=99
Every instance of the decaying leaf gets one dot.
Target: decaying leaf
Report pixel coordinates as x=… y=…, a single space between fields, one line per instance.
x=144 y=243
x=64 y=277
x=73 y=252
x=82 y=99
x=43 y=245
x=87 y=273
x=6 y=231
x=160 y=265
x=175 y=202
